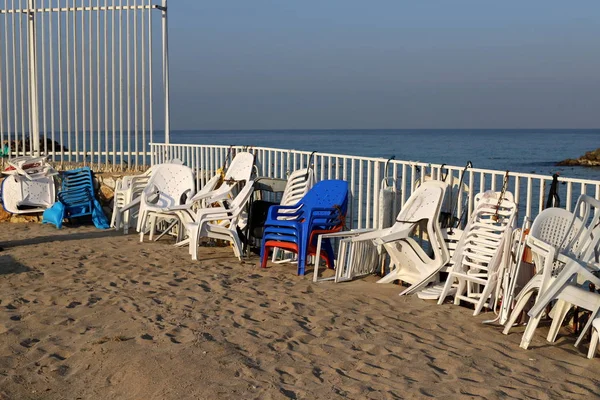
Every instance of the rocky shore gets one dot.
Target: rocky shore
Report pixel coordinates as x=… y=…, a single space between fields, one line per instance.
x=589 y=159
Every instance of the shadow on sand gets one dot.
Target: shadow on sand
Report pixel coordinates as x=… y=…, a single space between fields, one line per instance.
x=9 y=265
x=61 y=238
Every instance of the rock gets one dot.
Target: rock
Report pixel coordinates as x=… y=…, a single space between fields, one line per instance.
x=589 y=159
x=4 y=215
x=109 y=182
x=105 y=194
x=24 y=218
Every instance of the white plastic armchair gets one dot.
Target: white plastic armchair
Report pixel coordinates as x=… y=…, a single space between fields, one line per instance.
x=169 y=185
x=237 y=175
x=128 y=190
x=576 y=265
x=220 y=223
x=546 y=237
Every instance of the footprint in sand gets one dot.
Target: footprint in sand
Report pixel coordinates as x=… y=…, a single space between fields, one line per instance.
x=28 y=343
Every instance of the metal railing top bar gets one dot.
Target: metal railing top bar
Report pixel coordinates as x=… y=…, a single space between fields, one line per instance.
x=392 y=162
x=82 y=8
x=365 y=175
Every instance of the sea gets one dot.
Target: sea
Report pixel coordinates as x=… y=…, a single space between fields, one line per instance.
x=519 y=150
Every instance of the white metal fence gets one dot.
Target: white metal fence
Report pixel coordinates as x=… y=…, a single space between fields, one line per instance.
x=77 y=79
x=365 y=175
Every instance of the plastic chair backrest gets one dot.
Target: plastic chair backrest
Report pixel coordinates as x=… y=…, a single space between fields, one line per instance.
x=326 y=194
x=424 y=203
x=243 y=196
x=77 y=178
x=241 y=167
x=171 y=182
x=584 y=245
x=298 y=184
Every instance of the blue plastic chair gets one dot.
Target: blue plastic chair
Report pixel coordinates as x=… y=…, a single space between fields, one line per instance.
x=322 y=209
x=76 y=199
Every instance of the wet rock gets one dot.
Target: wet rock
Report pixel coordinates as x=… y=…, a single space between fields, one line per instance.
x=589 y=159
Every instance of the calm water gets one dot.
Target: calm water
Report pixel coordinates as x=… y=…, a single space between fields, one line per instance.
x=535 y=151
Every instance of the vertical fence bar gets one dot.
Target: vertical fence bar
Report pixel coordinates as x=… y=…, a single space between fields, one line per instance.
x=22 y=92
x=75 y=71
x=135 y=86
x=44 y=126
x=105 y=108
x=3 y=41
x=5 y=45
x=98 y=103
x=165 y=41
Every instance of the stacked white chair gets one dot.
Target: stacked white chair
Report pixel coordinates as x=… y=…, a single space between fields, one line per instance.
x=237 y=176
x=126 y=200
x=565 y=269
x=298 y=184
x=170 y=185
x=480 y=254
x=546 y=237
x=220 y=223
x=127 y=193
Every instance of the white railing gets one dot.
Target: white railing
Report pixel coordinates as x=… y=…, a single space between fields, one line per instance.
x=365 y=174
x=77 y=79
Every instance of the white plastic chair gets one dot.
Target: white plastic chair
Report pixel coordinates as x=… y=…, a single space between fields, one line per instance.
x=481 y=251
x=238 y=175
x=127 y=190
x=546 y=237
x=298 y=184
x=576 y=263
x=220 y=223
x=169 y=185
x=409 y=262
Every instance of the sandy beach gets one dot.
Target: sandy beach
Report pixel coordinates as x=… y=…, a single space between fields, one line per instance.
x=89 y=314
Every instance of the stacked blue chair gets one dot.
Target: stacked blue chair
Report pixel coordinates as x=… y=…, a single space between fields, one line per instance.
x=76 y=199
x=321 y=210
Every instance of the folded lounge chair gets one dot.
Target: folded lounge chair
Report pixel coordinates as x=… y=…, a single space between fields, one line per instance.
x=412 y=259
x=77 y=198
x=482 y=252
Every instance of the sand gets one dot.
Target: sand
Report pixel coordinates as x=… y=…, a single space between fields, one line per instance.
x=89 y=314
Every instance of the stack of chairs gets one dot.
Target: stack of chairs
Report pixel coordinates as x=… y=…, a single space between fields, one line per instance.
x=482 y=251
x=296 y=227
x=565 y=249
x=77 y=198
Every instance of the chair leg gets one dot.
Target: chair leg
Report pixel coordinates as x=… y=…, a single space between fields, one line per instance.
x=593 y=344
x=237 y=244
x=560 y=310
x=193 y=248
x=446 y=289
x=529 y=331
x=264 y=255
x=485 y=294
x=152 y=219
x=517 y=310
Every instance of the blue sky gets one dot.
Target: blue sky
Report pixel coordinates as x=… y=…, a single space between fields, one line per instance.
x=260 y=64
